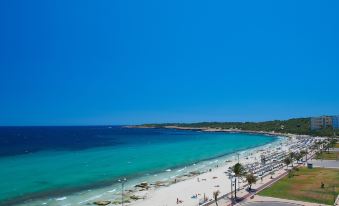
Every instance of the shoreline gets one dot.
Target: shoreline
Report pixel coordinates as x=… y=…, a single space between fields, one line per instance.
x=105 y=183
x=224 y=160
x=212 y=180
x=191 y=192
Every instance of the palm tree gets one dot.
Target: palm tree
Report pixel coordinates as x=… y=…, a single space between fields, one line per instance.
x=239 y=171
x=298 y=156
x=317 y=145
x=251 y=179
x=215 y=195
x=287 y=161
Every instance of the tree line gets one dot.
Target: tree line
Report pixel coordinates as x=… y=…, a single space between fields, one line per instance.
x=295 y=126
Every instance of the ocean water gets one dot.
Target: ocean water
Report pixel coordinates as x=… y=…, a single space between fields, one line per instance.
x=45 y=162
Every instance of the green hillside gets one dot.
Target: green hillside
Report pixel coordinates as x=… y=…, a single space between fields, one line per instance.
x=294 y=126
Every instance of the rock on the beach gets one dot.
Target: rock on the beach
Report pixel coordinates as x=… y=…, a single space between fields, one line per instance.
x=134 y=197
x=102 y=202
x=142 y=185
x=160 y=183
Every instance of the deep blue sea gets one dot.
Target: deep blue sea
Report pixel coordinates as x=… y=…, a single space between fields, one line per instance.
x=40 y=162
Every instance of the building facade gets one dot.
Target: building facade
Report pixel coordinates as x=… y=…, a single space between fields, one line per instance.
x=324 y=121
x=335 y=122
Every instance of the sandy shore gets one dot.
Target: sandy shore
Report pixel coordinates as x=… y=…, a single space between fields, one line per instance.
x=164 y=190
x=204 y=184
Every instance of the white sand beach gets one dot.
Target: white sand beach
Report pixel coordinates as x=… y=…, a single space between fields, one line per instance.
x=189 y=187
x=206 y=183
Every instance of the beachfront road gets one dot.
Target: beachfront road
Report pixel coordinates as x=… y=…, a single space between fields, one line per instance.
x=325 y=163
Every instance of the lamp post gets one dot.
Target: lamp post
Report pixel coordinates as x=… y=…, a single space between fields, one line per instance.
x=122 y=181
x=231 y=176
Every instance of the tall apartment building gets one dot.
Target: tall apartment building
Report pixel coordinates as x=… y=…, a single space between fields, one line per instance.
x=324 y=121
x=335 y=122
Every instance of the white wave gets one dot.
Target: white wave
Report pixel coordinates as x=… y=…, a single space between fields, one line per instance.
x=91 y=198
x=60 y=198
x=181 y=169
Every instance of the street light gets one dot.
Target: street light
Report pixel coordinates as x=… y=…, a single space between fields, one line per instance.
x=231 y=176
x=122 y=181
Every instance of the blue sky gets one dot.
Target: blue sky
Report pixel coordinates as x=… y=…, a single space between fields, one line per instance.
x=126 y=62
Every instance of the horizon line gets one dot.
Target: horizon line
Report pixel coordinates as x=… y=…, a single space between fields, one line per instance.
x=193 y=122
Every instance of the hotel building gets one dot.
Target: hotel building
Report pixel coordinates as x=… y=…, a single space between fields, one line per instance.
x=324 y=121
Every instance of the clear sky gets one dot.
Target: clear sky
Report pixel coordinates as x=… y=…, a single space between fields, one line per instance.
x=87 y=62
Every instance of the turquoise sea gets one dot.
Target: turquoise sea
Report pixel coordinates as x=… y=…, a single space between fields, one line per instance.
x=54 y=162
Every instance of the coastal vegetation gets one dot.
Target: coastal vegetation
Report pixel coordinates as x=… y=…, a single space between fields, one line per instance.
x=251 y=179
x=287 y=161
x=239 y=171
x=294 y=126
x=316 y=185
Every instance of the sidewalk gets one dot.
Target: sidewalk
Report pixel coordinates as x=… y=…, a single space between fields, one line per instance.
x=334 y=164
x=259 y=199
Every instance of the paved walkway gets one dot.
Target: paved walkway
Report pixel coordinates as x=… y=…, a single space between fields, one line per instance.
x=325 y=163
x=242 y=194
x=260 y=200
x=249 y=198
x=269 y=203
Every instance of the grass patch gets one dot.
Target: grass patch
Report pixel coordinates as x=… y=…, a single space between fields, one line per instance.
x=305 y=185
x=337 y=145
x=328 y=156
